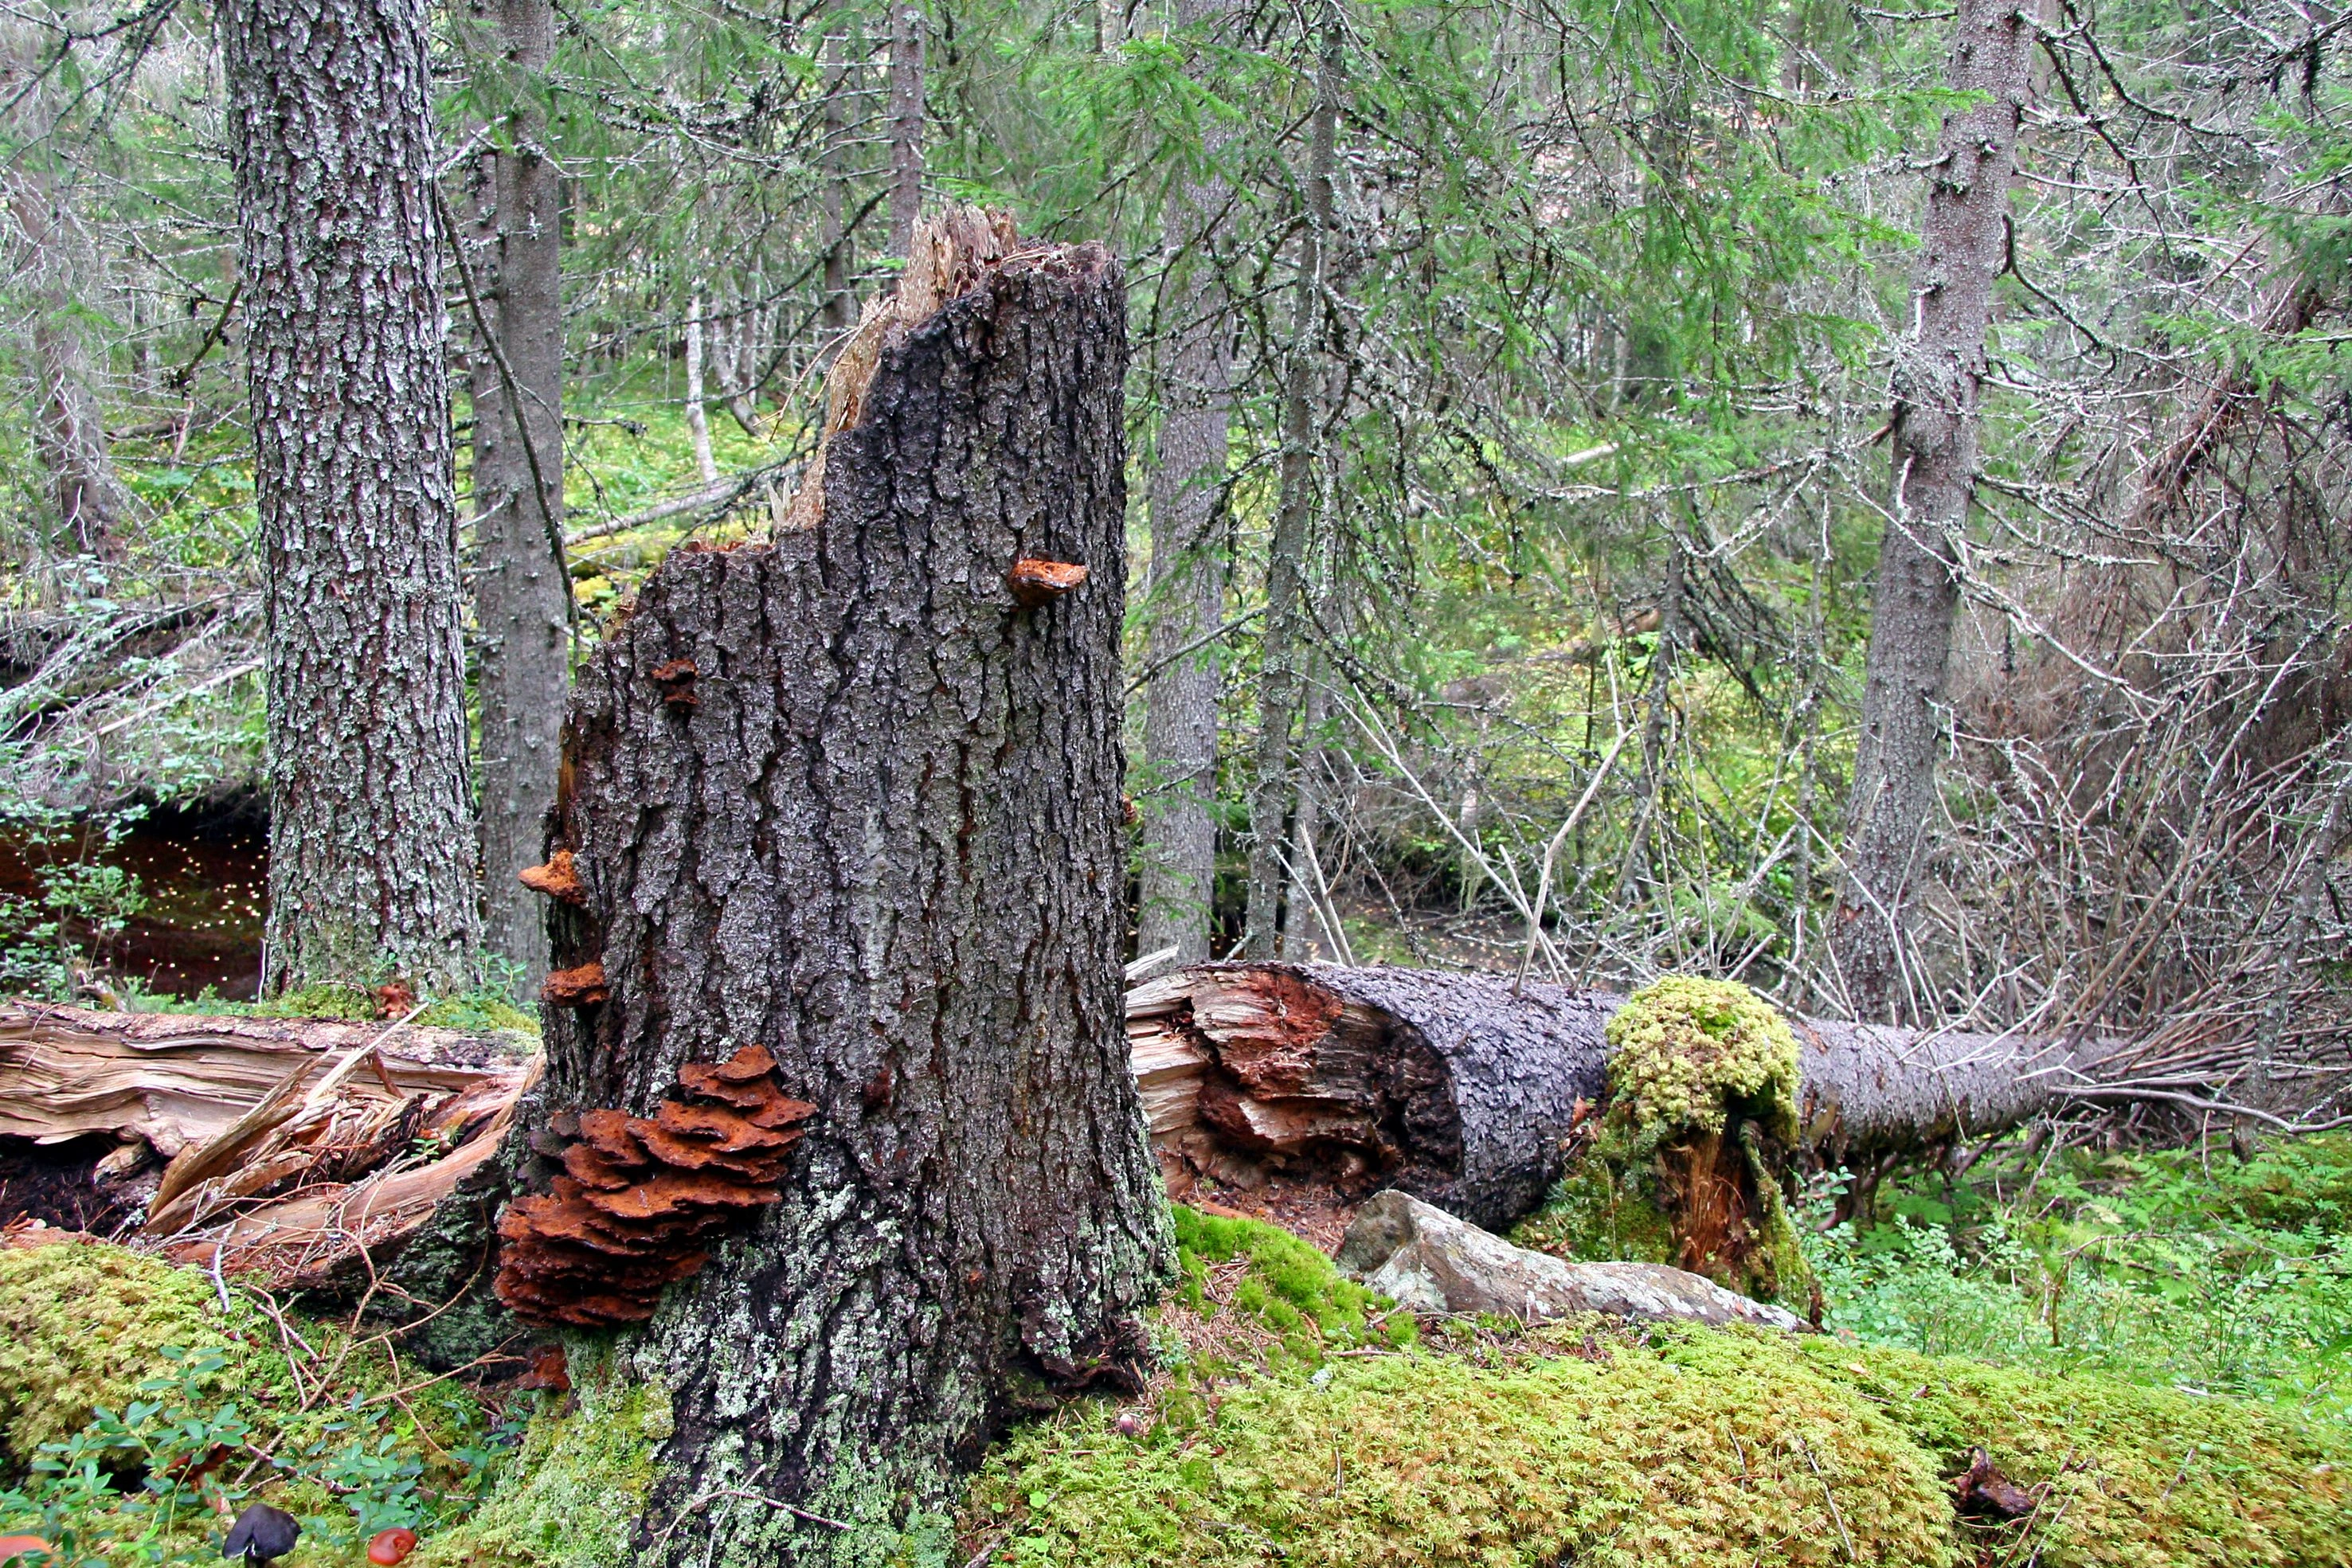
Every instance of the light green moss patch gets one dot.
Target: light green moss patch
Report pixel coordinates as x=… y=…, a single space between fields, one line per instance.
x=2137 y=1478
x=83 y=1324
x=1703 y=1452
x=571 y=1495
x=1687 y=1053
x=1283 y=1284
x=1682 y=1447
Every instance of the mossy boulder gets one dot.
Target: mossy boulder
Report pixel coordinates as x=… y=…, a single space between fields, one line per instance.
x=1688 y=1164
x=83 y=1324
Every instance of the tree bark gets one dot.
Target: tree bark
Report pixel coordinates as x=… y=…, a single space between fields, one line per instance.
x=1188 y=567
x=1938 y=374
x=907 y=122
x=331 y=137
x=521 y=600
x=842 y=819
x=1463 y=1089
x=1272 y=784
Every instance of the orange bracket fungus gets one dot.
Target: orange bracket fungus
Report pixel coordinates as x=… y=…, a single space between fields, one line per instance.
x=1036 y=582
x=640 y=1196
x=558 y=879
x=575 y=988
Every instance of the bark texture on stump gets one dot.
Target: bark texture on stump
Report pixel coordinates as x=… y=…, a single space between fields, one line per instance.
x=1938 y=374
x=370 y=841
x=845 y=798
x=1463 y=1090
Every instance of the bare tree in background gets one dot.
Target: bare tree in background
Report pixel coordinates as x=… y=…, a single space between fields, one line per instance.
x=1187 y=588
x=56 y=268
x=521 y=602
x=1938 y=369
x=1281 y=653
x=905 y=128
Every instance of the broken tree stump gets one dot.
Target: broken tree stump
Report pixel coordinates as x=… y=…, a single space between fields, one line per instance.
x=881 y=847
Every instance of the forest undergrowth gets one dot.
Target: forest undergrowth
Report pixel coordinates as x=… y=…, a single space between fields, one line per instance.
x=2157 y=1339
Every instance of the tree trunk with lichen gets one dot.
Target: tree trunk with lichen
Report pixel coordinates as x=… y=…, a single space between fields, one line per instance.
x=371 y=842
x=836 y=1098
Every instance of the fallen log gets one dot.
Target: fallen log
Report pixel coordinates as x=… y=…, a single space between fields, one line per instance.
x=313 y=1140
x=1463 y=1089
x=174 y=1079
x=1680 y=1118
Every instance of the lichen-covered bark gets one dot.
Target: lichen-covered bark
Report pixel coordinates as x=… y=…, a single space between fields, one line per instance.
x=874 y=830
x=331 y=135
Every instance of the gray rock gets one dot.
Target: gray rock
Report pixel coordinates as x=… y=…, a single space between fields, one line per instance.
x=1429 y=1260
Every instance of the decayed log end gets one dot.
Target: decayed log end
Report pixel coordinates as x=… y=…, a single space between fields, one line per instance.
x=558 y=880
x=1040 y=582
x=640 y=1196
x=580 y=986
x=1458 y=1089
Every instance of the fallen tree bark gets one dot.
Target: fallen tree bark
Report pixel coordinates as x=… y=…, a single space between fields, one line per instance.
x=1463 y=1090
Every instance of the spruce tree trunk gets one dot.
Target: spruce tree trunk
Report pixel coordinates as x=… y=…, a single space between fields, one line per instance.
x=907 y=122
x=1188 y=567
x=1272 y=780
x=1938 y=373
x=330 y=136
x=851 y=798
x=521 y=602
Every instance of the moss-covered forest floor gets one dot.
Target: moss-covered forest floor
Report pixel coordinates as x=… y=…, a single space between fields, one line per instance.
x=2154 y=1344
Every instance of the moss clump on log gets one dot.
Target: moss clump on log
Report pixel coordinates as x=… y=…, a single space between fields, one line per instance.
x=1688 y=1163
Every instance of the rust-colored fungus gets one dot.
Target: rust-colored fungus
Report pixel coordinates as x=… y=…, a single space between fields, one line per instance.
x=1035 y=582
x=558 y=879
x=640 y=1194
x=576 y=988
x=676 y=678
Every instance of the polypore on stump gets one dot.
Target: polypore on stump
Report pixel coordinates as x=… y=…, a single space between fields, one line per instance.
x=640 y=1196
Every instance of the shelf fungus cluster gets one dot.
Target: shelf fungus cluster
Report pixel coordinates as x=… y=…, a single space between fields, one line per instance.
x=640 y=1196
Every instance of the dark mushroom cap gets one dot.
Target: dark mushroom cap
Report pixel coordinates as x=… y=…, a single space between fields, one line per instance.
x=261 y=1534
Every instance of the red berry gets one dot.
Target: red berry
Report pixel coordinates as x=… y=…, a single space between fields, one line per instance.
x=390 y=1546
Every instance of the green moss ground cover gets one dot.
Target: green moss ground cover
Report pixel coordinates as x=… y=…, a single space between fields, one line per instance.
x=1595 y=1443
x=1296 y=1418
